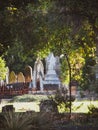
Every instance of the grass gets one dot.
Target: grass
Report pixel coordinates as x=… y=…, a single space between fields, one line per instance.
x=81 y=106
x=29 y=98
x=27 y=102
x=31 y=103
x=84 y=105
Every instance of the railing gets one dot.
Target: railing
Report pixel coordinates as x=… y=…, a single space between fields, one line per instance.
x=14 y=89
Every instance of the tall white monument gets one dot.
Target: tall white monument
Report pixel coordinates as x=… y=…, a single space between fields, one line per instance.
x=51 y=77
x=38 y=74
x=7 y=76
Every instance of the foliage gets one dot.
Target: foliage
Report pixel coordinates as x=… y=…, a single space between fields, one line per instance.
x=26 y=26
x=42 y=121
x=16 y=57
x=25 y=22
x=48 y=106
x=79 y=46
x=88 y=81
x=16 y=121
x=62 y=100
x=93 y=114
x=74 y=37
x=77 y=37
x=37 y=27
x=93 y=110
x=2 y=68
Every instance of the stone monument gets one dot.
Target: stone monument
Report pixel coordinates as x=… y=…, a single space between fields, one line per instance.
x=51 y=80
x=38 y=74
x=12 y=77
x=28 y=73
x=7 y=76
x=20 y=78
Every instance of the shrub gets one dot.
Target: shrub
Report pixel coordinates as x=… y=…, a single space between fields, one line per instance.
x=61 y=99
x=16 y=121
x=93 y=111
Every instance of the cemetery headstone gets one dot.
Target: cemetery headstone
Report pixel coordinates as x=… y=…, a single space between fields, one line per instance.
x=20 y=77
x=7 y=76
x=8 y=108
x=55 y=62
x=28 y=74
x=38 y=74
x=12 y=77
x=51 y=80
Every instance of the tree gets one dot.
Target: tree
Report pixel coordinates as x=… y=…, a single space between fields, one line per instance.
x=42 y=26
x=78 y=13
x=75 y=26
x=2 y=69
x=23 y=34
x=13 y=18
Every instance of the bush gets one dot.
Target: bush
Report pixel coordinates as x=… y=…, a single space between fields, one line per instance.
x=16 y=121
x=61 y=99
x=93 y=111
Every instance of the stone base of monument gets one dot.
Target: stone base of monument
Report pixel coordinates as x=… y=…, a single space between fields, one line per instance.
x=8 y=108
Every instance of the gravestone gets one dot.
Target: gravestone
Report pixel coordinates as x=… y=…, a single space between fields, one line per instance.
x=56 y=63
x=12 y=77
x=8 y=108
x=28 y=74
x=2 y=82
x=51 y=80
x=7 y=76
x=38 y=74
x=20 y=77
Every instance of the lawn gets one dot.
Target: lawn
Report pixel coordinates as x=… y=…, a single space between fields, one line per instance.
x=84 y=105
x=31 y=102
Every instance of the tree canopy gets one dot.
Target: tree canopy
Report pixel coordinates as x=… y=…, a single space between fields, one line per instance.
x=32 y=28
x=2 y=69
